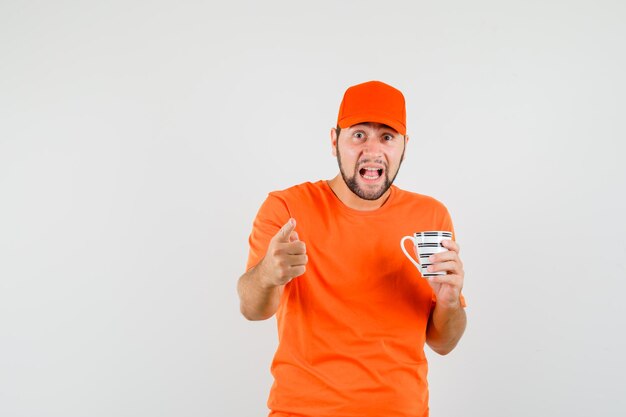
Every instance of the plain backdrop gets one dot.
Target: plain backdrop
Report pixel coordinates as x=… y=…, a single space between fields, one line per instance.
x=138 y=139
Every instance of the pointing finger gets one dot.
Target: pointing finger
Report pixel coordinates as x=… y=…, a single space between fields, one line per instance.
x=285 y=231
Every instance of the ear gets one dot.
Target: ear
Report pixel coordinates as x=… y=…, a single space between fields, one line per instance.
x=333 y=140
x=406 y=142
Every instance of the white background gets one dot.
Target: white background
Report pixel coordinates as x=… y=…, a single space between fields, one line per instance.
x=138 y=139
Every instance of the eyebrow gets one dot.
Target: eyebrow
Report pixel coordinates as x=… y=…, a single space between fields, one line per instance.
x=371 y=125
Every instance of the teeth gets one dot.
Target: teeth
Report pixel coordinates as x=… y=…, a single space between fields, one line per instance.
x=372 y=173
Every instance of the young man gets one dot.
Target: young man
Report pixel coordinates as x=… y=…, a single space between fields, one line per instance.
x=353 y=313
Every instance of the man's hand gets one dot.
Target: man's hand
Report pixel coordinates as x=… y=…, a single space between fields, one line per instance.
x=285 y=258
x=447 y=287
x=448 y=320
x=260 y=288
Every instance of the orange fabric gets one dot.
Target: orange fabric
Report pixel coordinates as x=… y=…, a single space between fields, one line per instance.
x=352 y=328
x=373 y=101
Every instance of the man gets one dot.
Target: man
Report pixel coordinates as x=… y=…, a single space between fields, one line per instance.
x=353 y=313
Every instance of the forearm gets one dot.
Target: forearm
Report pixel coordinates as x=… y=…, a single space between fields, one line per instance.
x=445 y=327
x=257 y=301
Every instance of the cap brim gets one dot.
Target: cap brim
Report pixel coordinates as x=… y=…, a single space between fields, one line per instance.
x=353 y=120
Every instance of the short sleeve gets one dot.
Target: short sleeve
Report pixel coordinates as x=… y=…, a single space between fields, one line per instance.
x=272 y=215
x=446 y=223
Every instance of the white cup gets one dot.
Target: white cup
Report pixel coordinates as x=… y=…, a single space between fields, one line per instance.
x=426 y=244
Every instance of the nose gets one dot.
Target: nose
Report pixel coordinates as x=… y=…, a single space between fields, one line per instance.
x=373 y=149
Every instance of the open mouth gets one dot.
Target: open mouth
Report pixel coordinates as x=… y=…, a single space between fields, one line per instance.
x=371 y=173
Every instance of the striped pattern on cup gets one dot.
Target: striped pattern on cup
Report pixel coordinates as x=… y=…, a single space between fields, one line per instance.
x=429 y=243
x=426 y=244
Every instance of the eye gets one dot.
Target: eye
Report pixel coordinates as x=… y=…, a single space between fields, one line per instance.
x=359 y=135
x=388 y=137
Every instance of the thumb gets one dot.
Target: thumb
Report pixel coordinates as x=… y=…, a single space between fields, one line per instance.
x=285 y=231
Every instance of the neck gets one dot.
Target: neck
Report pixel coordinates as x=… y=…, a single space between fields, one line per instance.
x=347 y=197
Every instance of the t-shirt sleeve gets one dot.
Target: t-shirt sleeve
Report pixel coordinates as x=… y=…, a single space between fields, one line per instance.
x=446 y=223
x=272 y=215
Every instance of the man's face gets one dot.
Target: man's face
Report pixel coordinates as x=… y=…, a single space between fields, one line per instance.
x=369 y=157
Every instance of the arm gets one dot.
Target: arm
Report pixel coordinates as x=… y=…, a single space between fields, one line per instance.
x=260 y=287
x=445 y=328
x=447 y=321
x=258 y=299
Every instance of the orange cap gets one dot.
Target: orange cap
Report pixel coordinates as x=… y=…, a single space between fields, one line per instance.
x=373 y=101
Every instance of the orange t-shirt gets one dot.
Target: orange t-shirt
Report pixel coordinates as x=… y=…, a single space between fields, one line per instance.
x=351 y=329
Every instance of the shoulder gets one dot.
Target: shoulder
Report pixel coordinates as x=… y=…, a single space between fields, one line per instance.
x=404 y=197
x=428 y=212
x=304 y=191
x=302 y=201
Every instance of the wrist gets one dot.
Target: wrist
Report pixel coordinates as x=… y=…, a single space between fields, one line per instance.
x=263 y=278
x=450 y=305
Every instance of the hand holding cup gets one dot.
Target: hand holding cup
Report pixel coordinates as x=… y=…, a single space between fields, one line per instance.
x=439 y=262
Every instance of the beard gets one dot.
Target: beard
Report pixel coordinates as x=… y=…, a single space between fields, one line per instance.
x=368 y=194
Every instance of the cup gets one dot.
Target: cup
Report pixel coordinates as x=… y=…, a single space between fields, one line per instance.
x=426 y=244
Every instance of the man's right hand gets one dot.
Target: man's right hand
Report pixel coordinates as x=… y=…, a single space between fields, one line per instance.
x=285 y=258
